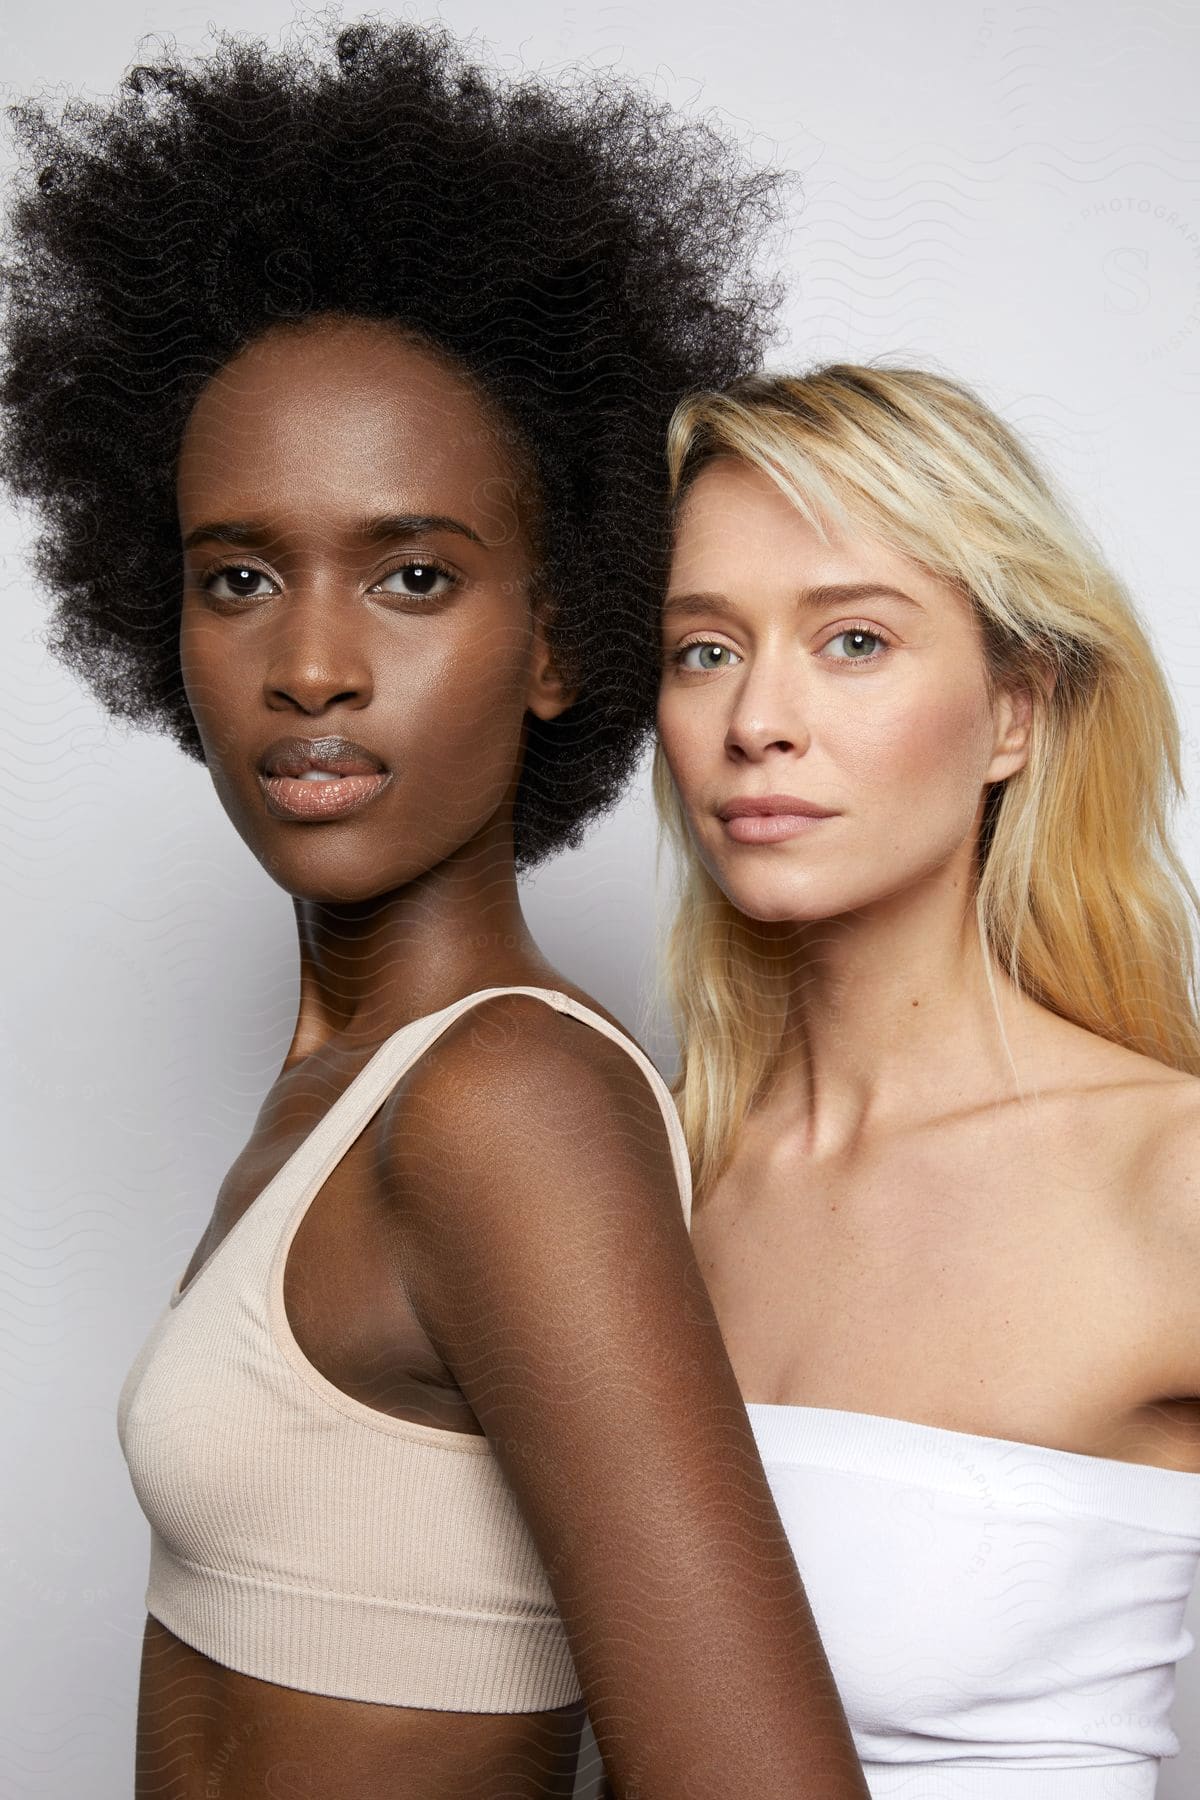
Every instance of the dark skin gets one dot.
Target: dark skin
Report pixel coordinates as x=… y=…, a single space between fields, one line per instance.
x=520 y=1174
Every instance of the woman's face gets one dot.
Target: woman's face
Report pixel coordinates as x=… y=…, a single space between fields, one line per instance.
x=833 y=689
x=356 y=566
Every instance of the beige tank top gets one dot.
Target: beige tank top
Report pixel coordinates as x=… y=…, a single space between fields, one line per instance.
x=298 y=1535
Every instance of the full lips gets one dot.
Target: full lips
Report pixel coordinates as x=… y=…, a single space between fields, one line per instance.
x=771 y=828
x=290 y=797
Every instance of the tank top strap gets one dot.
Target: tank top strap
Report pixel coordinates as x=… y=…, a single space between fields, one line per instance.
x=662 y=1093
x=333 y=1136
x=273 y=1218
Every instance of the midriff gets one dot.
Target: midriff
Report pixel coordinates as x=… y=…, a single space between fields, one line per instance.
x=210 y=1733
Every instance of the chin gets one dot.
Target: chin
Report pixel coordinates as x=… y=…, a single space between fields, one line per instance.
x=771 y=901
x=330 y=867
x=786 y=910
x=777 y=897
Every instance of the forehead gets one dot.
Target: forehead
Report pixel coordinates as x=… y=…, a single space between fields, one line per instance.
x=735 y=528
x=340 y=413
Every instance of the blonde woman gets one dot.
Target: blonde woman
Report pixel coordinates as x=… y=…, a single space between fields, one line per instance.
x=933 y=973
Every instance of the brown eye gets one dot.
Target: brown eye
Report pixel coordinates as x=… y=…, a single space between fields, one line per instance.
x=417 y=578
x=238 y=582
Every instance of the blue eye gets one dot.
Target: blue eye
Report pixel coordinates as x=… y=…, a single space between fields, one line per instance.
x=418 y=580
x=861 y=646
x=238 y=581
x=710 y=657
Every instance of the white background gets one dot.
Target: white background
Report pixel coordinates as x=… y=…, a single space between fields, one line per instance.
x=1010 y=193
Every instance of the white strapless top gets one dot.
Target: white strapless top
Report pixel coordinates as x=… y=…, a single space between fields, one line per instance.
x=1003 y=1620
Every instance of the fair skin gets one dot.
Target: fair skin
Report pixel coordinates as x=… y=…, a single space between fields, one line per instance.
x=906 y=1228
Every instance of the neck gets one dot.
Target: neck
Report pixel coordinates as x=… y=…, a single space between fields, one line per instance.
x=368 y=967
x=891 y=1019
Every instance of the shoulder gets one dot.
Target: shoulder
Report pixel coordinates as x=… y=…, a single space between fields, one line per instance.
x=1169 y=1151
x=1151 y=1109
x=527 y=1178
x=516 y=1043
x=1166 y=1216
x=1128 y=1130
x=512 y=1079
x=1154 y=1115
x=1124 y=1112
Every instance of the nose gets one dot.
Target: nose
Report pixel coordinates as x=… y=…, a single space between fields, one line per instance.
x=767 y=713
x=319 y=658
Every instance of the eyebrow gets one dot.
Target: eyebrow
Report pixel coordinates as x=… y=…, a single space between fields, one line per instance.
x=375 y=530
x=828 y=594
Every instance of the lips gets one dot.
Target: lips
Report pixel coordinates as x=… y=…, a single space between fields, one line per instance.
x=315 y=779
x=770 y=805
x=771 y=818
x=300 y=757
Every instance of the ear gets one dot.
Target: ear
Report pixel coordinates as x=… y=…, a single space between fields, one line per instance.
x=549 y=693
x=1014 y=726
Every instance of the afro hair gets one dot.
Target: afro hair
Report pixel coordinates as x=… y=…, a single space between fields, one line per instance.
x=588 y=254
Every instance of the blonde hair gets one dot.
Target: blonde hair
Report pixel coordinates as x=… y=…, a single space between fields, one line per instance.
x=1081 y=897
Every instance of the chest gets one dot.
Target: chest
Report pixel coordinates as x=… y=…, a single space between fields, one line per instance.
x=343 y=1282
x=977 y=1280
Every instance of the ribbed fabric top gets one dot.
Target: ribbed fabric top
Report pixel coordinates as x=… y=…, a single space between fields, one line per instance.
x=1002 y=1619
x=300 y=1536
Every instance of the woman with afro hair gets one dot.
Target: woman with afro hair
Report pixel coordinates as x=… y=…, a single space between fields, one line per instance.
x=338 y=377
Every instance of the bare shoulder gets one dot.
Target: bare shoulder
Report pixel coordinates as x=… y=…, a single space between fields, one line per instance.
x=1156 y=1106
x=1142 y=1119
x=513 y=1075
x=1163 y=1214
x=515 y=1044
x=1102 y=1081
x=1169 y=1151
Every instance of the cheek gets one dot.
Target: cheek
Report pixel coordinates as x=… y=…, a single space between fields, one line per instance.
x=689 y=741
x=481 y=676
x=929 y=750
x=466 y=713
x=216 y=684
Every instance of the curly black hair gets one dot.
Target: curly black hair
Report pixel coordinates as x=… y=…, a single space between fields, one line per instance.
x=588 y=254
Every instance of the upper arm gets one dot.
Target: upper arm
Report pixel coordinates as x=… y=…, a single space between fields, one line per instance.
x=546 y=1254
